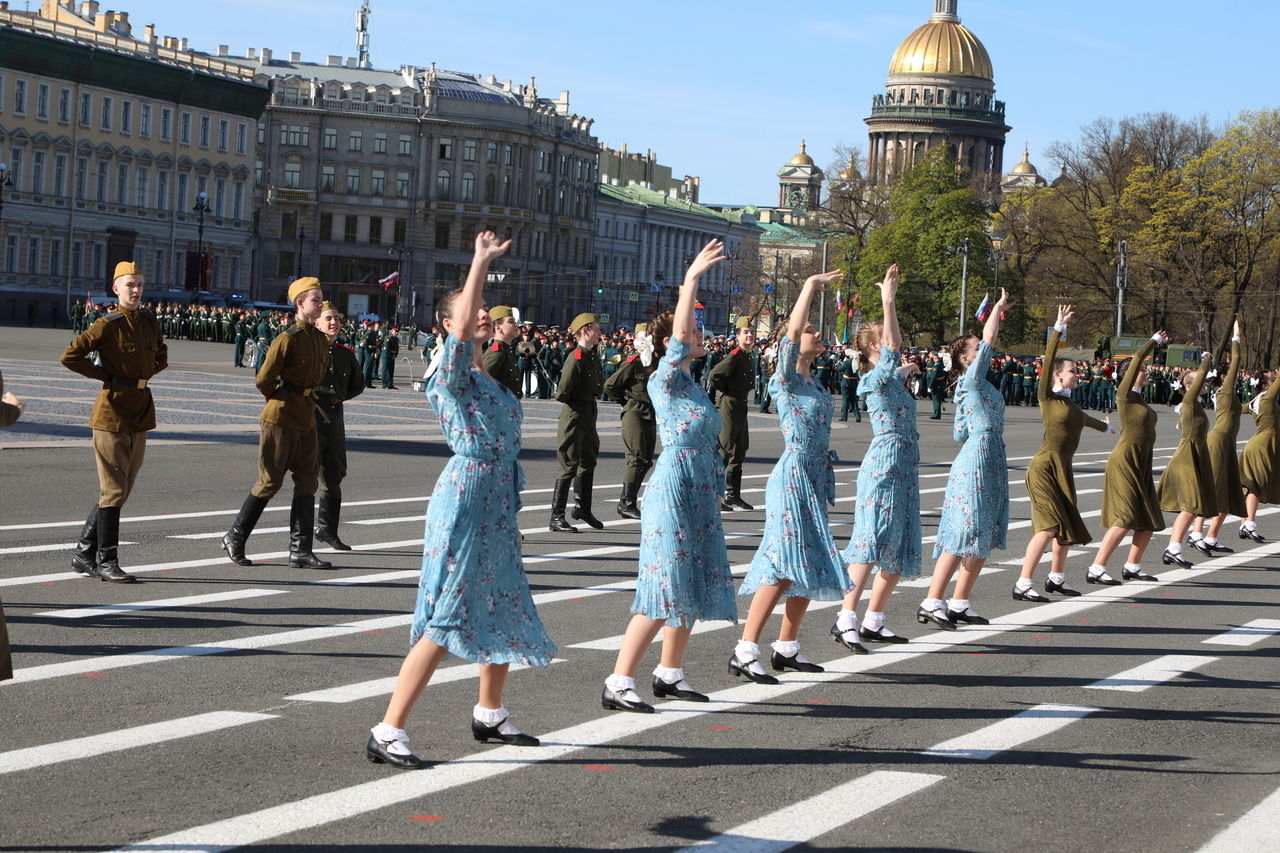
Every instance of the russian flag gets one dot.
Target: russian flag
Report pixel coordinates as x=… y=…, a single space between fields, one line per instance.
x=839 y=301
x=394 y=278
x=984 y=309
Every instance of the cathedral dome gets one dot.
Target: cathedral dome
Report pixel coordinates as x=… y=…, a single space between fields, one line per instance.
x=1024 y=167
x=942 y=47
x=802 y=158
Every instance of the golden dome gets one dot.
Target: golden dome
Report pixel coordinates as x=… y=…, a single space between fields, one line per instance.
x=801 y=159
x=1025 y=167
x=943 y=47
x=849 y=173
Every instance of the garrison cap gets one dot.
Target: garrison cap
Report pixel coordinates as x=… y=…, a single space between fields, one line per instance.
x=302 y=285
x=327 y=306
x=125 y=268
x=642 y=328
x=581 y=320
x=500 y=312
x=743 y=323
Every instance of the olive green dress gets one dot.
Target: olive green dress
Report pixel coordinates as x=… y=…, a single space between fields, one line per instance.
x=1222 y=441
x=1258 y=459
x=1050 y=482
x=1187 y=482
x=1129 y=487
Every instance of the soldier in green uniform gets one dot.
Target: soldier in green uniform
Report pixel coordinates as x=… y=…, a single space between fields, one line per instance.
x=372 y=343
x=262 y=336
x=241 y=334
x=935 y=381
x=551 y=362
x=131 y=349
x=293 y=367
x=579 y=443
x=390 y=351
x=77 y=316
x=1029 y=382
x=849 y=378
x=499 y=358
x=629 y=385
x=734 y=379
x=342 y=381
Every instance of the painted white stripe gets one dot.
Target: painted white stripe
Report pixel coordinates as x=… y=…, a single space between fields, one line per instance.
x=828 y=811
x=998 y=737
x=1148 y=675
x=153 y=733
x=218 y=534
x=1247 y=634
x=37 y=549
x=1256 y=830
x=383 y=686
x=160 y=604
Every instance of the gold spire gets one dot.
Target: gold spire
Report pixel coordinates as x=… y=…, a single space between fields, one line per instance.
x=801 y=159
x=1025 y=167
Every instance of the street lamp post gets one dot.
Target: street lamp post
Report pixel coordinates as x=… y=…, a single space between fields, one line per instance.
x=302 y=235
x=1122 y=282
x=201 y=208
x=401 y=252
x=964 y=282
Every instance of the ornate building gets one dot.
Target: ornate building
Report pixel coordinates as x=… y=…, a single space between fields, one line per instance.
x=1022 y=176
x=800 y=182
x=940 y=92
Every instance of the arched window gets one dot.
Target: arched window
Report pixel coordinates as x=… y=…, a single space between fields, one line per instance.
x=490 y=189
x=468 y=186
x=444 y=185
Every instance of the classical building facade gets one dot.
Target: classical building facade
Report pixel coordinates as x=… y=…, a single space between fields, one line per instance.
x=363 y=172
x=940 y=92
x=109 y=140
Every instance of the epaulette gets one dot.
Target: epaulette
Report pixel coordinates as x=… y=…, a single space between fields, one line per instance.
x=577 y=355
x=736 y=351
x=632 y=357
x=112 y=316
x=345 y=347
x=146 y=312
x=497 y=347
x=293 y=330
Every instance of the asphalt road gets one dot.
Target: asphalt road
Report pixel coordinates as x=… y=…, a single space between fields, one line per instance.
x=213 y=706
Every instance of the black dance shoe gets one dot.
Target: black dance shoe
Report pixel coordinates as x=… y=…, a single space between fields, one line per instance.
x=1139 y=575
x=1172 y=559
x=377 y=753
x=1104 y=579
x=781 y=663
x=611 y=701
x=852 y=645
x=743 y=669
x=967 y=615
x=937 y=617
x=663 y=690
x=1060 y=588
x=1219 y=548
x=1029 y=594
x=1252 y=534
x=483 y=733
x=879 y=636
x=1202 y=546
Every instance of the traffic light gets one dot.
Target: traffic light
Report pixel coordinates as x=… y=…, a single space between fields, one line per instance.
x=599 y=290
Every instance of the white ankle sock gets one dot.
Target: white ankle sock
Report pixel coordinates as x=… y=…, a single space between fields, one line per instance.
x=1097 y=571
x=620 y=683
x=1248 y=525
x=669 y=674
x=745 y=651
x=873 y=621
x=1211 y=540
x=959 y=605
x=787 y=648
x=1133 y=567
x=1175 y=548
x=396 y=740
x=1023 y=584
x=1057 y=577
x=931 y=604
x=1194 y=536
x=847 y=620
x=489 y=716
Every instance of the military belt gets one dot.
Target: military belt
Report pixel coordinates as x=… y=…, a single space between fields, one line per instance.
x=122 y=382
x=290 y=388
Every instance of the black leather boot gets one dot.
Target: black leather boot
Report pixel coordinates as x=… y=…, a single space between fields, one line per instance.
x=733 y=497
x=327 y=522
x=582 y=500
x=627 y=507
x=559 y=498
x=108 y=542
x=85 y=558
x=302 y=518
x=246 y=520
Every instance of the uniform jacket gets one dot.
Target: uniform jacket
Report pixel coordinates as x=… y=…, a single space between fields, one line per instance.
x=581 y=380
x=342 y=381
x=294 y=365
x=733 y=376
x=131 y=347
x=500 y=363
x=629 y=385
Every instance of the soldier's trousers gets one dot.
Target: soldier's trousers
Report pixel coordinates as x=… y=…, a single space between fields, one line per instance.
x=388 y=371
x=579 y=441
x=370 y=368
x=639 y=438
x=6 y=662
x=238 y=357
x=331 y=440
x=733 y=433
x=283 y=450
x=119 y=457
x=849 y=401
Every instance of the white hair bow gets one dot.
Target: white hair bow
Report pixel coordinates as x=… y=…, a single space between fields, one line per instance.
x=644 y=346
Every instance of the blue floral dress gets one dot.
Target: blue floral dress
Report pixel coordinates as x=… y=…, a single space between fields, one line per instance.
x=886 y=514
x=975 y=510
x=797 y=544
x=684 y=565
x=473 y=597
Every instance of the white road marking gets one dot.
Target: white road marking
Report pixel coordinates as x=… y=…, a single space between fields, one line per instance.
x=383 y=686
x=1148 y=675
x=1256 y=830
x=1004 y=735
x=153 y=733
x=1247 y=634
x=160 y=604
x=36 y=549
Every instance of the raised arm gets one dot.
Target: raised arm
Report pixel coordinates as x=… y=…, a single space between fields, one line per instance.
x=683 y=324
x=1233 y=369
x=891 y=335
x=1051 y=352
x=467 y=305
x=991 y=331
x=1135 y=365
x=1197 y=381
x=800 y=312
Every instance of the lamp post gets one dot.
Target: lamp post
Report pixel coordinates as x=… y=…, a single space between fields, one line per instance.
x=964 y=283
x=201 y=208
x=5 y=182
x=400 y=252
x=1122 y=282
x=302 y=235
x=732 y=258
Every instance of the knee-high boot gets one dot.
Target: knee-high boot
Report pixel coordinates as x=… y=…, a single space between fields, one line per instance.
x=559 y=498
x=327 y=522
x=302 y=519
x=246 y=520
x=627 y=507
x=108 y=543
x=85 y=558
x=733 y=496
x=582 y=485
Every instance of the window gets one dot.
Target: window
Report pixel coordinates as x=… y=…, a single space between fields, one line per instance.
x=59 y=175
x=162 y=194
x=379 y=143
x=491 y=152
x=122 y=184
x=224 y=134
x=166 y=124
x=353 y=181
x=126 y=116
x=375 y=229
x=406 y=144
x=42 y=100
x=289 y=223
x=287 y=265
x=237 y=200
x=490 y=189
x=349 y=226
x=506 y=189
x=507 y=155
x=446 y=149
x=328 y=177
x=295 y=134
x=141 y=183
x=442 y=235
x=469 y=147
x=220 y=197
x=33 y=255
x=77 y=259
x=11 y=253
x=107 y=105
x=402 y=184
x=37 y=173
x=444 y=186
x=19 y=97
x=99 y=261
x=82 y=176
x=262 y=134
x=378 y=182
x=158 y=262
x=180 y=197
x=202 y=185
x=101 y=195
x=326 y=226
x=401 y=228
x=184 y=128
x=55 y=257
x=355 y=141
x=242 y=137
x=144 y=126
x=331 y=138
x=204 y=131
x=257 y=173
x=542 y=161
x=293 y=175
x=86 y=108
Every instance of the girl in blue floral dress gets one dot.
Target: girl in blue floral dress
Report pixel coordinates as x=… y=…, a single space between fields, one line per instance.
x=886 y=516
x=684 y=566
x=975 y=510
x=473 y=598
x=797 y=556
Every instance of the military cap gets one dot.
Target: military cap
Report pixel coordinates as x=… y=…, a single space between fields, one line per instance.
x=302 y=285
x=125 y=268
x=327 y=306
x=743 y=323
x=499 y=312
x=642 y=328
x=581 y=320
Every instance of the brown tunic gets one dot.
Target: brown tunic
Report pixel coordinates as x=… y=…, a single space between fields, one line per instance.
x=1258 y=459
x=1187 y=482
x=1050 y=482
x=1128 y=487
x=292 y=369
x=131 y=347
x=1223 y=460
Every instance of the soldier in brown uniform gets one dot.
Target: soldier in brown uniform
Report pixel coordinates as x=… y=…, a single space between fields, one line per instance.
x=11 y=409
x=130 y=345
x=629 y=385
x=734 y=377
x=294 y=365
x=343 y=380
x=581 y=381
x=499 y=357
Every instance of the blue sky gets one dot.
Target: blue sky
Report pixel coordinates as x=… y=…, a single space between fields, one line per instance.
x=726 y=90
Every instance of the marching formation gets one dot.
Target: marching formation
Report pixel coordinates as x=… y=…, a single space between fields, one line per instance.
x=474 y=600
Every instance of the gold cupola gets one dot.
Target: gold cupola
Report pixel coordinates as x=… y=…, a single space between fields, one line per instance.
x=943 y=46
x=802 y=158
